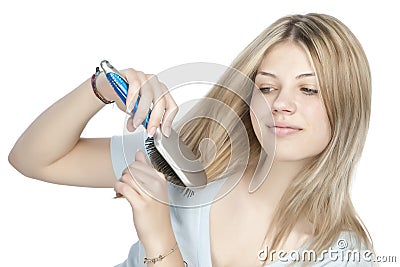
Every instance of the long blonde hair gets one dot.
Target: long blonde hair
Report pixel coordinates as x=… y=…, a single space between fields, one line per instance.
x=321 y=191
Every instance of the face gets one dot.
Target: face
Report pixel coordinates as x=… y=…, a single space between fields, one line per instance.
x=298 y=121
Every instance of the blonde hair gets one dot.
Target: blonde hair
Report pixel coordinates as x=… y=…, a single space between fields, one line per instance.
x=321 y=191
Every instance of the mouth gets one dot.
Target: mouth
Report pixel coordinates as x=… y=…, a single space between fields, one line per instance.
x=284 y=130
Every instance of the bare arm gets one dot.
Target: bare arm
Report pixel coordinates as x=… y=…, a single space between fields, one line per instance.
x=51 y=149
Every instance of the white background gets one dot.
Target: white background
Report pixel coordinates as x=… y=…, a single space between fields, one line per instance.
x=50 y=47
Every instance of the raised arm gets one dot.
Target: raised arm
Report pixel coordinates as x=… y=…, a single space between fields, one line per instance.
x=52 y=150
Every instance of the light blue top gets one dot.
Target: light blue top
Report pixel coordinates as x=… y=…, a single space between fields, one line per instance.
x=191 y=224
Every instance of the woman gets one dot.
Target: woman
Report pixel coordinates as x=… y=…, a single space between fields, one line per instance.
x=312 y=73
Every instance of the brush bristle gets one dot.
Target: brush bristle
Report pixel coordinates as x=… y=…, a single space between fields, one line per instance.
x=161 y=165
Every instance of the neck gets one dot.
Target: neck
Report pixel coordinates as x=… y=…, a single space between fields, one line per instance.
x=280 y=175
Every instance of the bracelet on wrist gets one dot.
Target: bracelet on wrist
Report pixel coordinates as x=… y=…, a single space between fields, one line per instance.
x=94 y=87
x=160 y=257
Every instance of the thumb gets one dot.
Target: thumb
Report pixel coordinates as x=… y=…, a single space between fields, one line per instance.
x=141 y=157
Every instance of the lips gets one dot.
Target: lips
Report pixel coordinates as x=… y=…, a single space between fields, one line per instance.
x=284 y=129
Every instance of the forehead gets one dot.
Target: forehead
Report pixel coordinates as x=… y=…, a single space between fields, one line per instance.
x=286 y=58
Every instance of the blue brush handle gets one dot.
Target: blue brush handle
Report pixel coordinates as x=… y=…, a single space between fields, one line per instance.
x=121 y=88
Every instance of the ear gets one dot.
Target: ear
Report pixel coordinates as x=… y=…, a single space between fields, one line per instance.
x=141 y=157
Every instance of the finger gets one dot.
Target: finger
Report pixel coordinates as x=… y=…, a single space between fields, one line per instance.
x=139 y=169
x=128 y=192
x=140 y=179
x=129 y=124
x=136 y=172
x=146 y=98
x=156 y=116
x=151 y=183
x=165 y=108
x=133 y=90
x=130 y=177
x=171 y=109
x=159 y=103
x=141 y=157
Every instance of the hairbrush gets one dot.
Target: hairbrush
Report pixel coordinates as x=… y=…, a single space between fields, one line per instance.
x=168 y=155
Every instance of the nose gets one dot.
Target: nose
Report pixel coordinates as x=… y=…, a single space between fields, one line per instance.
x=284 y=103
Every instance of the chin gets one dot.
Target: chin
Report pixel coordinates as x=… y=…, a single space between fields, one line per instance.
x=288 y=158
x=291 y=155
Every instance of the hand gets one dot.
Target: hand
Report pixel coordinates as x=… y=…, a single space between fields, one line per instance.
x=151 y=91
x=146 y=191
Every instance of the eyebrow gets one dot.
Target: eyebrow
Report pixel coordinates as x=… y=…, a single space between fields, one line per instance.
x=303 y=75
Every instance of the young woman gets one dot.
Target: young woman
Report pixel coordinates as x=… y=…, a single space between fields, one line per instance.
x=311 y=100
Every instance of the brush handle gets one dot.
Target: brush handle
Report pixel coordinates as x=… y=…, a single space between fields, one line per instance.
x=121 y=88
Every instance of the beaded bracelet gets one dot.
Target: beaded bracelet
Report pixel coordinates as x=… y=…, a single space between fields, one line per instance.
x=160 y=257
x=94 y=87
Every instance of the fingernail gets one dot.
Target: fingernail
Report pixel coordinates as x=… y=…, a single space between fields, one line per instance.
x=137 y=123
x=167 y=131
x=118 y=195
x=152 y=131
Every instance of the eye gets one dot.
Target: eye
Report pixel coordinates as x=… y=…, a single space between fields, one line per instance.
x=309 y=91
x=266 y=90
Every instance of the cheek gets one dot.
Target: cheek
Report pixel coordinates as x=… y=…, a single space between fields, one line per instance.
x=255 y=120
x=325 y=132
x=320 y=127
x=261 y=116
